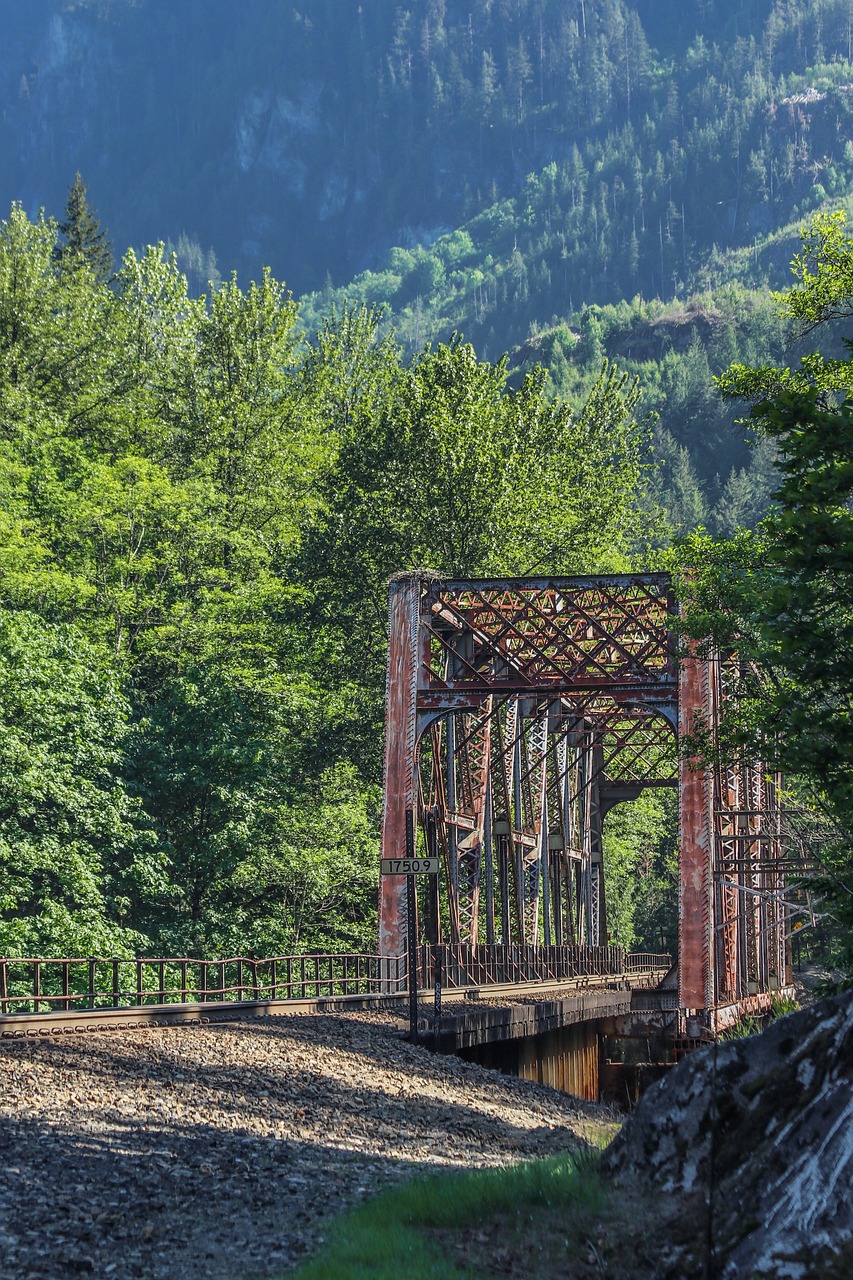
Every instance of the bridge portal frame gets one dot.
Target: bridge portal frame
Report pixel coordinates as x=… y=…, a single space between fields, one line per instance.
x=518 y=712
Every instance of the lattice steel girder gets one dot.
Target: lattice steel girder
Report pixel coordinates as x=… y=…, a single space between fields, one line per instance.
x=554 y=634
x=542 y=702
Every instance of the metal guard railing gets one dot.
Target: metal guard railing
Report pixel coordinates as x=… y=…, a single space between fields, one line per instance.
x=39 y=984
x=482 y=965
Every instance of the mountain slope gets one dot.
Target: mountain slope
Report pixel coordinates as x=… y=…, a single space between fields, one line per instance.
x=313 y=138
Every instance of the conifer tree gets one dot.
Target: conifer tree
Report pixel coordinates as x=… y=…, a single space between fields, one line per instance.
x=84 y=238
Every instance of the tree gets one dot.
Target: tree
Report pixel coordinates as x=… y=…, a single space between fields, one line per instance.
x=802 y=628
x=453 y=470
x=674 y=485
x=806 y=617
x=85 y=241
x=641 y=872
x=783 y=598
x=75 y=852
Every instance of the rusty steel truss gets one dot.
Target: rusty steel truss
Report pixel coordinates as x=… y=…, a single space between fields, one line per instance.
x=518 y=712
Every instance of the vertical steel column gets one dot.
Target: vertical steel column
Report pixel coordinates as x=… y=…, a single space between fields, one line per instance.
x=545 y=876
x=488 y=854
x=695 y=889
x=398 y=795
x=450 y=794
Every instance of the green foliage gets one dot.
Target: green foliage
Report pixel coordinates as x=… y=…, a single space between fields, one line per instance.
x=752 y=1026
x=782 y=598
x=74 y=850
x=641 y=873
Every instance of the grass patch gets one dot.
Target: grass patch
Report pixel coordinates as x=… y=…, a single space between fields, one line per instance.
x=409 y=1231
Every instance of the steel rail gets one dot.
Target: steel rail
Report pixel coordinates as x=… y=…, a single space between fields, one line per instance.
x=35 y=1026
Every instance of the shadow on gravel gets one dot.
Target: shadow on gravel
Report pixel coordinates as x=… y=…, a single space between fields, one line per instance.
x=181 y=1159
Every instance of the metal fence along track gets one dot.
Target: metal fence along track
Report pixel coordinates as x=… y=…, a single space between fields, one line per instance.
x=41 y=995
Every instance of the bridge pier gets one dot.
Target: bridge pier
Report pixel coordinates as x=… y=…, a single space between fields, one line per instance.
x=567 y=1060
x=554 y=1042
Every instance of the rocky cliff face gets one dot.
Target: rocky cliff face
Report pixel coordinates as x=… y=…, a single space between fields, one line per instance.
x=751 y=1142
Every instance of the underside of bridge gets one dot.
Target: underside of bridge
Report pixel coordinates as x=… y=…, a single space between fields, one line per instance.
x=518 y=712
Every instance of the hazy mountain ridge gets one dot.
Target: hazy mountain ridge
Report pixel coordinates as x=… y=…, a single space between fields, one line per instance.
x=312 y=139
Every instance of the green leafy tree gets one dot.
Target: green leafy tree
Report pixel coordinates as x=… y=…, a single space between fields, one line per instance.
x=782 y=598
x=75 y=854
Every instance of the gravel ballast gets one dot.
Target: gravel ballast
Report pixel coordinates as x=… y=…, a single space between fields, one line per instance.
x=219 y=1151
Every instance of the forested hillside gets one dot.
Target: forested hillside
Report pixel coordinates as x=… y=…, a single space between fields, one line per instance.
x=204 y=490
x=592 y=149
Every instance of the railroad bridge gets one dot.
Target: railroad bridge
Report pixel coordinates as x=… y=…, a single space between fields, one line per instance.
x=519 y=711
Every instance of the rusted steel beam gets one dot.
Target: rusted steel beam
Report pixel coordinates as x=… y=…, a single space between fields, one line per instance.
x=398 y=793
x=695 y=923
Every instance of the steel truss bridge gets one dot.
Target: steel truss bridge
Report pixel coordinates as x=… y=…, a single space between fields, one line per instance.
x=518 y=713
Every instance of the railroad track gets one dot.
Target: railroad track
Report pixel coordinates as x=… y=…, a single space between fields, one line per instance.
x=91 y=1021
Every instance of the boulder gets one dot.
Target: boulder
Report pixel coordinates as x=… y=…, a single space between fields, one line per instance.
x=751 y=1143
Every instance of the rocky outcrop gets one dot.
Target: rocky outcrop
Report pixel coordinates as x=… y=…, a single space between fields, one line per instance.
x=751 y=1143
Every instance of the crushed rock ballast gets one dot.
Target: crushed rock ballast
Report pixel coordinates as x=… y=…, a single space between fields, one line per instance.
x=220 y=1151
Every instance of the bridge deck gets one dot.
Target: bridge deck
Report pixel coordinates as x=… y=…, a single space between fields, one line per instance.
x=572 y=992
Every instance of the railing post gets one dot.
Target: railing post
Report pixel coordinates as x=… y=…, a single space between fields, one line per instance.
x=436 y=1016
